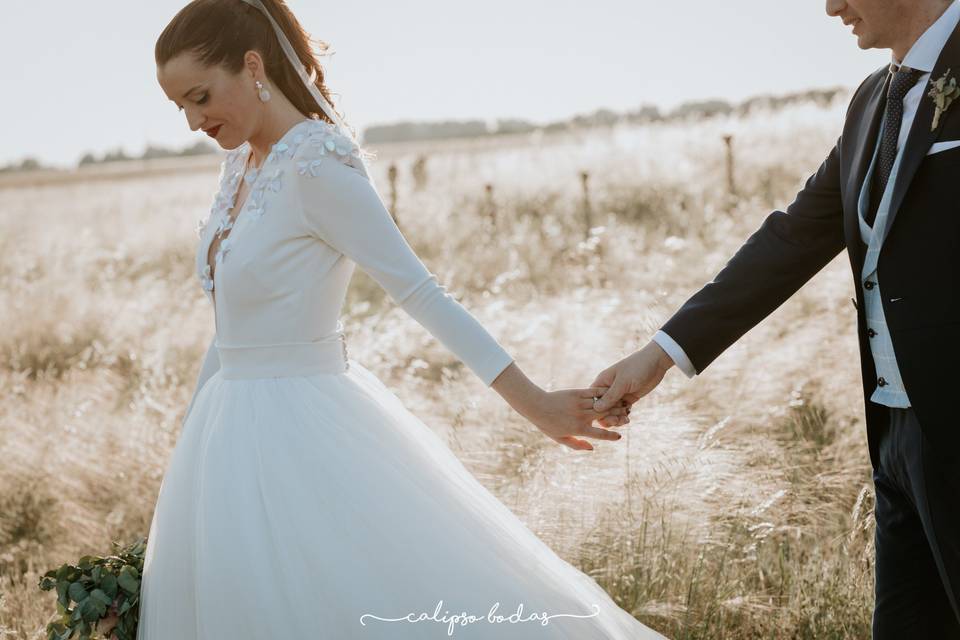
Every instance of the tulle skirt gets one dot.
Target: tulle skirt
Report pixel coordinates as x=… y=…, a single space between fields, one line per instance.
x=317 y=506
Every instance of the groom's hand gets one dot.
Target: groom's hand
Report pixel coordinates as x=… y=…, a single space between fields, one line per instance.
x=633 y=377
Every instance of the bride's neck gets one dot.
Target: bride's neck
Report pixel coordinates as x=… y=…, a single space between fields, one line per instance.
x=271 y=130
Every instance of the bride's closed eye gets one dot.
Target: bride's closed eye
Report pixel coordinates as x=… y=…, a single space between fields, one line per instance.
x=202 y=100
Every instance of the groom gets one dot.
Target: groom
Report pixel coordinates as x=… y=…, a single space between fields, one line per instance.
x=889 y=193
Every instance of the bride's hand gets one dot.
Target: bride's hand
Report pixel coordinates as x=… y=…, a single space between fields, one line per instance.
x=106 y=624
x=568 y=415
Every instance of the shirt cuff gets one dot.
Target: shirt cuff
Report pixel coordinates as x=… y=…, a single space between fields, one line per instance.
x=676 y=353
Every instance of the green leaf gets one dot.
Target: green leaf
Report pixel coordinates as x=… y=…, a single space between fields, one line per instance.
x=77 y=592
x=90 y=610
x=109 y=585
x=128 y=580
x=101 y=596
x=62 y=595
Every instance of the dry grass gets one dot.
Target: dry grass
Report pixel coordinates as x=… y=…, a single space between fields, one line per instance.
x=739 y=504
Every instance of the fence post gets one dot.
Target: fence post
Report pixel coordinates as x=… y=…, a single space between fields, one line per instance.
x=419 y=172
x=731 y=183
x=392 y=177
x=490 y=209
x=587 y=208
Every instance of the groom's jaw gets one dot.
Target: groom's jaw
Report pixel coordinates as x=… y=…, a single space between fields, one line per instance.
x=888 y=24
x=849 y=17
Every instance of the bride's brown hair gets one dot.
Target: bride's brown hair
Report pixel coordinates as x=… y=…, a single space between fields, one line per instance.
x=221 y=31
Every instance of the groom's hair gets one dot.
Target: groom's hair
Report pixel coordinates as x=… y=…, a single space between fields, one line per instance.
x=220 y=32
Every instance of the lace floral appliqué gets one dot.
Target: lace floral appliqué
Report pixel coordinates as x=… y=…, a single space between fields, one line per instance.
x=325 y=140
x=319 y=139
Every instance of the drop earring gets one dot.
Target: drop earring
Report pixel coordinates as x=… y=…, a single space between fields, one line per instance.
x=264 y=94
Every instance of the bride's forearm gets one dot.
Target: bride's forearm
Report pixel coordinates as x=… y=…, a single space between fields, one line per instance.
x=517 y=389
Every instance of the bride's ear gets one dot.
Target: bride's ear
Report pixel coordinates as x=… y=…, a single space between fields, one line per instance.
x=253 y=64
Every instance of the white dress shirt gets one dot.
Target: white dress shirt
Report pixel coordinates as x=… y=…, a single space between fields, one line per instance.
x=922 y=56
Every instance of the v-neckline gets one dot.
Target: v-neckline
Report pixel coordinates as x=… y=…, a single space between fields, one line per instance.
x=211 y=271
x=225 y=216
x=233 y=199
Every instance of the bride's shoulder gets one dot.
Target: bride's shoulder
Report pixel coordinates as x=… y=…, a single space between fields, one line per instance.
x=322 y=142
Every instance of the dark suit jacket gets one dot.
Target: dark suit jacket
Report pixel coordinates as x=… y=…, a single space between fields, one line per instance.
x=919 y=261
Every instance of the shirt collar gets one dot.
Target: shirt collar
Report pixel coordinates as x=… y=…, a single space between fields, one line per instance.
x=925 y=51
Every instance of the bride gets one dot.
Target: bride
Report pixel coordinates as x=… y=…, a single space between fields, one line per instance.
x=302 y=499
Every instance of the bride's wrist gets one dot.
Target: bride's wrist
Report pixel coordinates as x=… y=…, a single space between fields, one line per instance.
x=523 y=395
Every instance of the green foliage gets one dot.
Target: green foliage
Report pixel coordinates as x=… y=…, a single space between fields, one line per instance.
x=95 y=587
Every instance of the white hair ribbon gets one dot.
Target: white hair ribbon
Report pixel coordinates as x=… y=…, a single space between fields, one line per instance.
x=309 y=80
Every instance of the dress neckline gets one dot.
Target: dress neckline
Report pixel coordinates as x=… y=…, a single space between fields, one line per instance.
x=247 y=151
x=228 y=195
x=250 y=175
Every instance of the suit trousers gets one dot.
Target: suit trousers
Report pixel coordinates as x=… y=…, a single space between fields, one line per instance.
x=917 y=535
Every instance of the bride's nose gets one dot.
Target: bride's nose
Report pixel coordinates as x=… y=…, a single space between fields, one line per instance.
x=193 y=120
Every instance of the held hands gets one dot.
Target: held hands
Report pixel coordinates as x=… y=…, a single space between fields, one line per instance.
x=568 y=415
x=633 y=377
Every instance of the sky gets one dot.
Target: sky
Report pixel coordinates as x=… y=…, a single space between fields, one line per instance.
x=80 y=76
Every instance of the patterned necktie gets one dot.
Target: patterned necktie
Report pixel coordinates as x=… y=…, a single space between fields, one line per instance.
x=903 y=80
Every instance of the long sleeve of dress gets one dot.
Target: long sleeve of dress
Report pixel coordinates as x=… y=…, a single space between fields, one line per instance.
x=343 y=209
x=210 y=365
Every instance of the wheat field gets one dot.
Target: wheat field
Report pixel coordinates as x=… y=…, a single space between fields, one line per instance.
x=738 y=504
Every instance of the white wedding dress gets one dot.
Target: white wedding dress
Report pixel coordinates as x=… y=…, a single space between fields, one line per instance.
x=302 y=500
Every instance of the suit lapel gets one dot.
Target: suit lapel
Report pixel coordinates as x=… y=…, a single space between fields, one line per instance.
x=867 y=134
x=921 y=135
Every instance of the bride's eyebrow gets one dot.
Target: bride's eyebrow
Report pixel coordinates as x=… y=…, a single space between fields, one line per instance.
x=192 y=90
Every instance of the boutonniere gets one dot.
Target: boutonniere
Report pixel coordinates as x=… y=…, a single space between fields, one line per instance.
x=943 y=92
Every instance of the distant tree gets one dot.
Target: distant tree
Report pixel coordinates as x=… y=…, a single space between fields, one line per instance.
x=560 y=125
x=156 y=152
x=407 y=131
x=823 y=97
x=646 y=113
x=599 y=118
x=27 y=164
x=115 y=155
x=198 y=148
x=508 y=126
x=702 y=109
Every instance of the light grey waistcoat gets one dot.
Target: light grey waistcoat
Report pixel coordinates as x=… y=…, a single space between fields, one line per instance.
x=889 y=390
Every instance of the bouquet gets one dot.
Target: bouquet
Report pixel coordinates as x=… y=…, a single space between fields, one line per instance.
x=98 y=595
